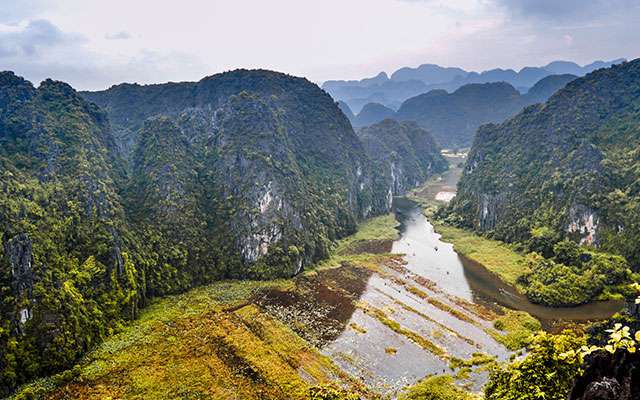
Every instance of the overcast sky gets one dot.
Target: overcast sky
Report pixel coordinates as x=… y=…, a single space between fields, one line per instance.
x=93 y=44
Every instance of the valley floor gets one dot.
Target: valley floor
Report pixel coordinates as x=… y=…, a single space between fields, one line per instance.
x=361 y=322
x=371 y=321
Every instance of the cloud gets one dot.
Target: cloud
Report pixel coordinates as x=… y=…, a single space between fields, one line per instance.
x=565 y=10
x=14 y=11
x=32 y=38
x=122 y=35
x=37 y=39
x=39 y=49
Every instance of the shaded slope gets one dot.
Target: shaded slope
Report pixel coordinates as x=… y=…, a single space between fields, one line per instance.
x=372 y=113
x=404 y=154
x=454 y=118
x=568 y=164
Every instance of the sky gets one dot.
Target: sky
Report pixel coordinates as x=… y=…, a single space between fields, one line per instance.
x=93 y=44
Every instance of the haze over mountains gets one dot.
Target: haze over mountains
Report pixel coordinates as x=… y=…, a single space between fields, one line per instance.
x=408 y=82
x=453 y=118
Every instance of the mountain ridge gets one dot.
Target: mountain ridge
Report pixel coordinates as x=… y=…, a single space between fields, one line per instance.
x=407 y=82
x=109 y=199
x=573 y=154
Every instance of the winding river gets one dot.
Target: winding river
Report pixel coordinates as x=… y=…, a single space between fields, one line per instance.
x=408 y=318
x=449 y=309
x=437 y=260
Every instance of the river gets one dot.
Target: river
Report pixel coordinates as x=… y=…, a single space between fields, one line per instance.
x=465 y=278
x=392 y=325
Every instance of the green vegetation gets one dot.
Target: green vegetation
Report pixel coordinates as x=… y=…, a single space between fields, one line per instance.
x=373 y=235
x=403 y=153
x=547 y=372
x=477 y=359
x=331 y=393
x=494 y=255
x=581 y=186
x=441 y=387
x=570 y=275
x=101 y=213
x=514 y=329
x=574 y=276
x=206 y=343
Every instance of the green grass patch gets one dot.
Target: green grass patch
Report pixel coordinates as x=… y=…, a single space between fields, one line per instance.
x=514 y=329
x=378 y=230
x=476 y=360
x=440 y=387
x=494 y=255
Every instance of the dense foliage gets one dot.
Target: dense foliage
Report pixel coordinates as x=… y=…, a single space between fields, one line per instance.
x=243 y=174
x=568 y=166
x=566 y=169
x=547 y=372
x=403 y=153
x=439 y=387
x=67 y=273
x=574 y=276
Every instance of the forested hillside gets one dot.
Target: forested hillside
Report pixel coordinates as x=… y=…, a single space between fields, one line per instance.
x=453 y=118
x=566 y=169
x=246 y=174
x=405 y=154
x=69 y=266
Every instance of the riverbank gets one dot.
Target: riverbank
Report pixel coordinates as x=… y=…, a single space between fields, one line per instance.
x=366 y=321
x=495 y=256
x=489 y=260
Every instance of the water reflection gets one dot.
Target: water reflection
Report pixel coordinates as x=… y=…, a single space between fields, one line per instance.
x=471 y=281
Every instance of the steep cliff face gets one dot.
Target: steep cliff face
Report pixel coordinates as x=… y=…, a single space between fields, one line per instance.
x=284 y=170
x=568 y=164
x=405 y=154
x=243 y=174
x=63 y=276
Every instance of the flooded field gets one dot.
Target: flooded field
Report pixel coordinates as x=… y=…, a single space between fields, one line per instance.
x=421 y=311
x=398 y=320
x=389 y=308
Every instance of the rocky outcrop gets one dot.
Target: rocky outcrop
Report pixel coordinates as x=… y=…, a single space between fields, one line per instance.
x=609 y=377
x=405 y=154
x=583 y=223
x=18 y=252
x=489 y=210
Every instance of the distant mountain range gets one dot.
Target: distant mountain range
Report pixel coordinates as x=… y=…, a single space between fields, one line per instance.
x=453 y=118
x=409 y=82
